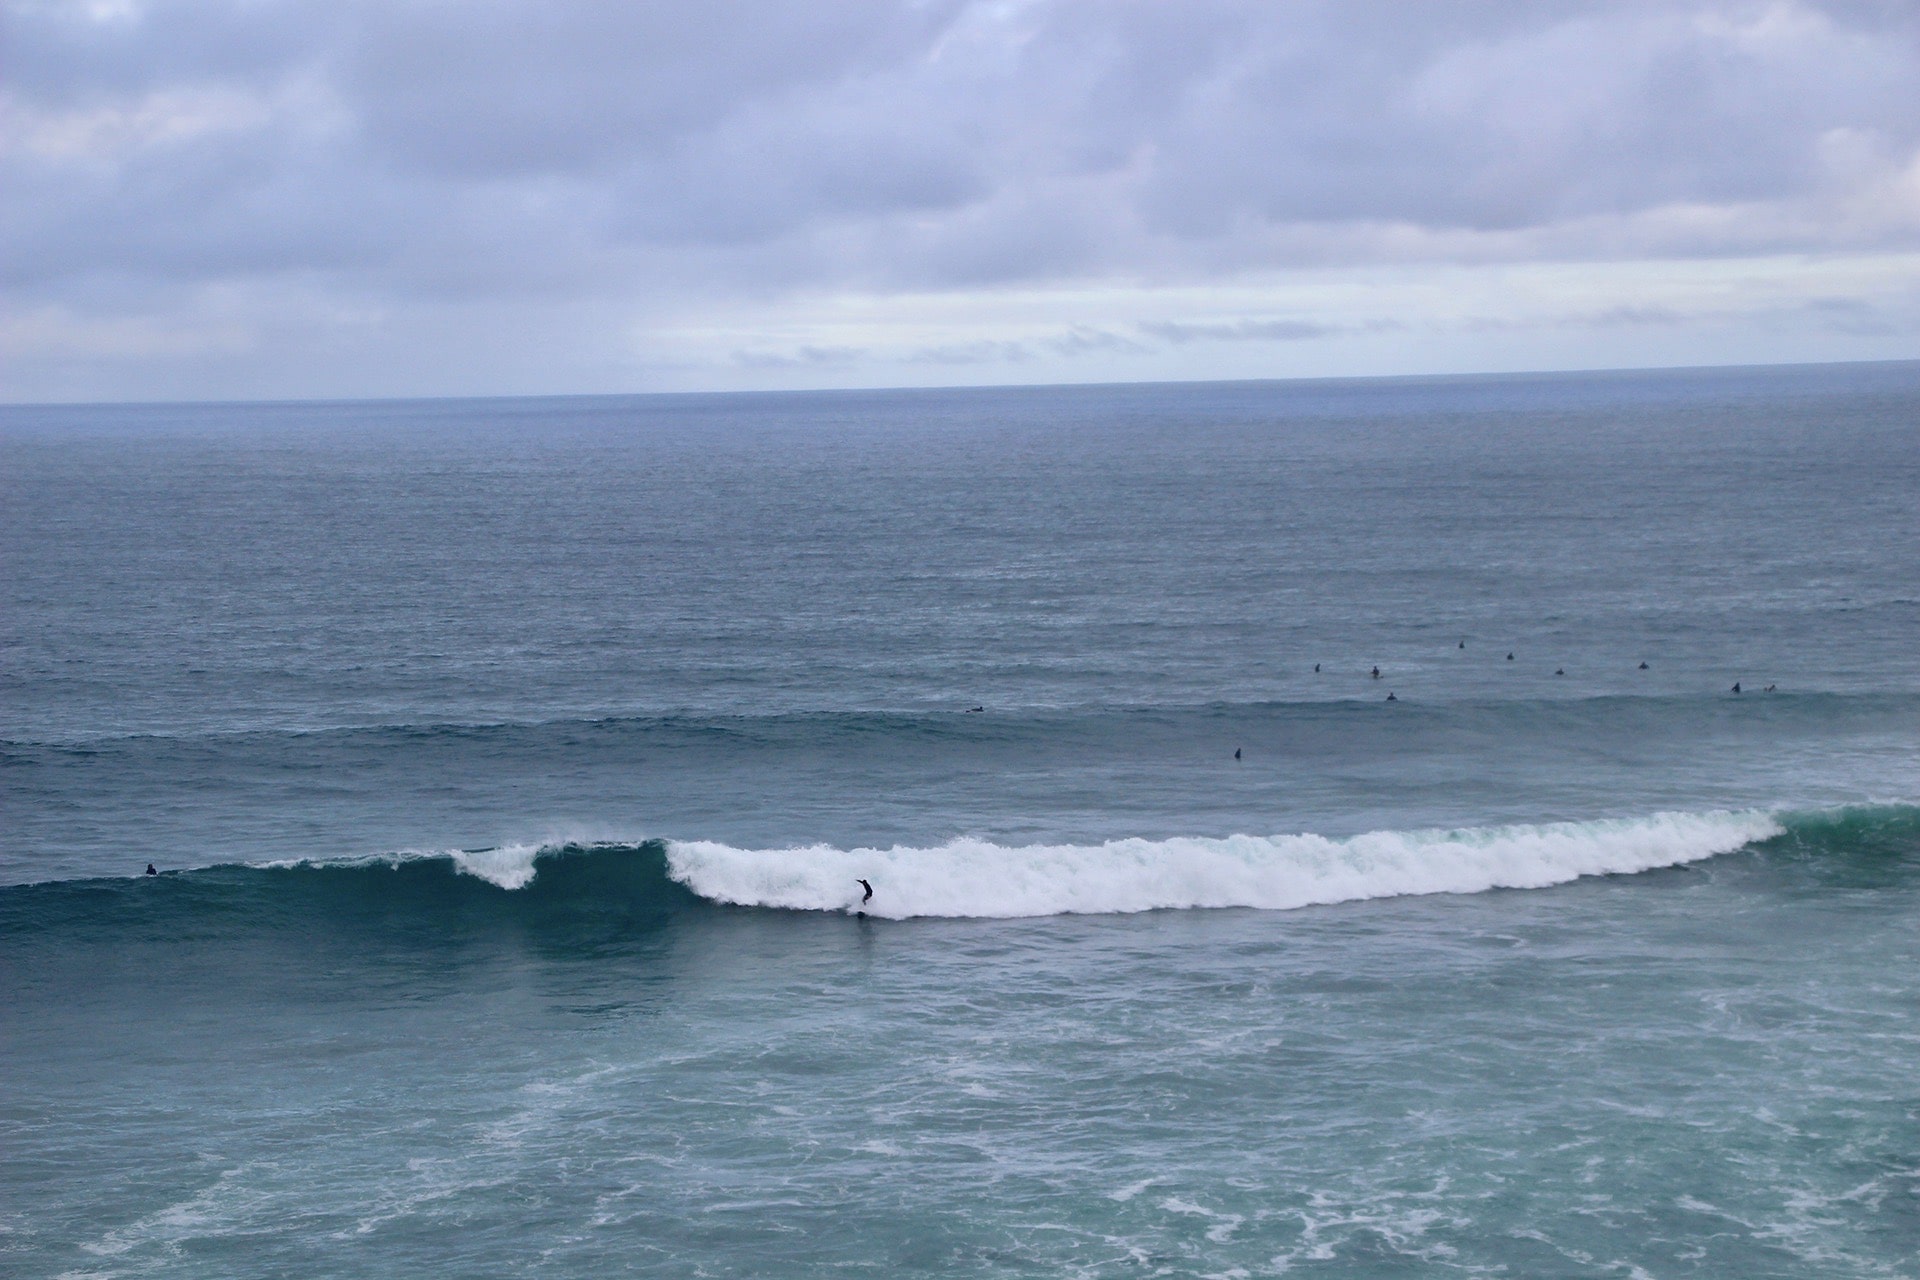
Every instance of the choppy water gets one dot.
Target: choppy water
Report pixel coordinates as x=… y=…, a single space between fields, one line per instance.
x=512 y=763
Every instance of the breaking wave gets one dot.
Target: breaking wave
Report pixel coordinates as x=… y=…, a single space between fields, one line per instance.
x=566 y=892
x=977 y=878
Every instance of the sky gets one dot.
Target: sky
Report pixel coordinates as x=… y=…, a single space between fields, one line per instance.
x=233 y=199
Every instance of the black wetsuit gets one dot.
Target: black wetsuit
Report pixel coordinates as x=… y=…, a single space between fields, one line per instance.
x=868 y=897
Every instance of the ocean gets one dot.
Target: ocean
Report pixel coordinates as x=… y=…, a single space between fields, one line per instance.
x=1377 y=828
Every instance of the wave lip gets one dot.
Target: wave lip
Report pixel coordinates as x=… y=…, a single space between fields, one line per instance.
x=511 y=866
x=976 y=878
x=507 y=866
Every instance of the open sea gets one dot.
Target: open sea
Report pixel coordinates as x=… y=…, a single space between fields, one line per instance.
x=510 y=768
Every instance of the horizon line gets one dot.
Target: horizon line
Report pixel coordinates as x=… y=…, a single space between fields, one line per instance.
x=895 y=388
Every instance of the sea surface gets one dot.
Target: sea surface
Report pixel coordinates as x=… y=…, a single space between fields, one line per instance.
x=510 y=768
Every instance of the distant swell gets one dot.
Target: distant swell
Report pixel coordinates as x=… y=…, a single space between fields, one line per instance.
x=981 y=879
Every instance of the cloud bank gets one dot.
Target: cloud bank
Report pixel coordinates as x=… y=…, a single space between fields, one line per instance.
x=287 y=197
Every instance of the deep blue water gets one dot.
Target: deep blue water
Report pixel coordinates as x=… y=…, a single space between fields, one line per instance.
x=512 y=766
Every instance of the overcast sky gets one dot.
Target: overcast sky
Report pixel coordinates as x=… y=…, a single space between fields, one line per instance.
x=246 y=198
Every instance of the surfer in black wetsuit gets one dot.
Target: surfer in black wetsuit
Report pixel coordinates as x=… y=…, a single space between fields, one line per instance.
x=868 y=896
x=1376 y=673
x=151 y=871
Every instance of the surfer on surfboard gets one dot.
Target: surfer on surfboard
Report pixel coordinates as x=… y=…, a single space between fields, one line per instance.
x=868 y=895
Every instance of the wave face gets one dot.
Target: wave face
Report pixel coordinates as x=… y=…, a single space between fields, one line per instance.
x=430 y=896
x=562 y=889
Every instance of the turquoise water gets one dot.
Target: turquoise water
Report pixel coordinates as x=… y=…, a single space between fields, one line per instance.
x=511 y=766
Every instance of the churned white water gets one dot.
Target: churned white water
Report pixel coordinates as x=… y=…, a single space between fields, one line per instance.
x=979 y=878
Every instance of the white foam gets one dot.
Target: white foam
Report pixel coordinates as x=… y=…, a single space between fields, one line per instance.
x=977 y=878
x=510 y=866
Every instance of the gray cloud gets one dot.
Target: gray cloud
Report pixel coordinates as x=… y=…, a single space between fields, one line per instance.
x=800 y=358
x=1851 y=315
x=970 y=353
x=412 y=154
x=1621 y=317
x=1238 y=330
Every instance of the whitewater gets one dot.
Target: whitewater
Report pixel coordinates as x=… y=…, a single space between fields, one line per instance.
x=977 y=878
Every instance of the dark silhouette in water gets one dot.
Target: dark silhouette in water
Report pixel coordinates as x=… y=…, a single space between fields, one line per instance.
x=1643 y=666
x=1391 y=698
x=151 y=871
x=970 y=710
x=1236 y=753
x=1559 y=671
x=1316 y=668
x=1736 y=686
x=1376 y=673
x=1509 y=657
x=1770 y=688
x=868 y=896
x=1463 y=644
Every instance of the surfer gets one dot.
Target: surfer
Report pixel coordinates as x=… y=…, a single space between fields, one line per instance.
x=1509 y=657
x=1559 y=671
x=1236 y=753
x=1376 y=673
x=151 y=871
x=868 y=896
x=1463 y=644
x=1391 y=698
x=1643 y=666
x=1316 y=668
x=1736 y=686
